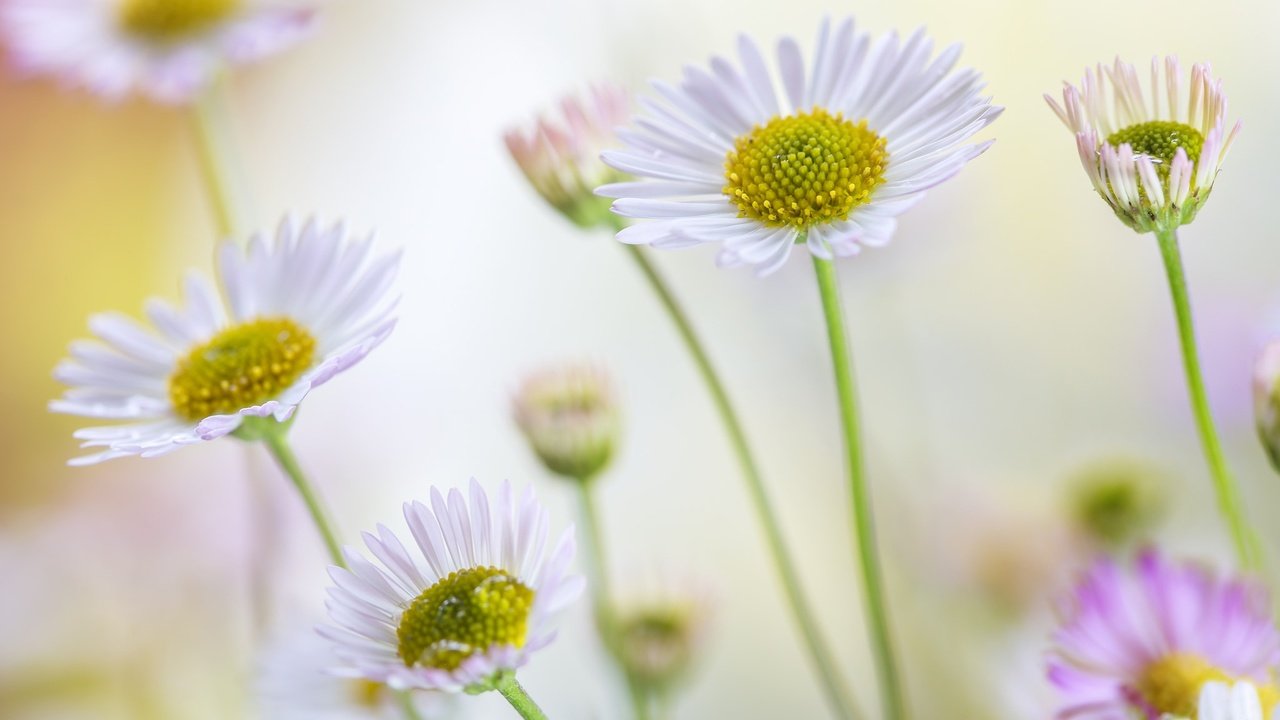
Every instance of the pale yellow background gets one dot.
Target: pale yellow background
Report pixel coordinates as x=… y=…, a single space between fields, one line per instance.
x=1012 y=332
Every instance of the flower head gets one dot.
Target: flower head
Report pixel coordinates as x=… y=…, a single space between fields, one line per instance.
x=561 y=157
x=1145 y=643
x=298 y=312
x=167 y=49
x=1152 y=159
x=849 y=146
x=480 y=605
x=660 y=636
x=570 y=419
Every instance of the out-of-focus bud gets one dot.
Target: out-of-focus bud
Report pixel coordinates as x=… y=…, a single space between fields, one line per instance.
x=660 y=639
x=569 y=417
x=561 y=158
x=1117 y=502
x=1266 y=400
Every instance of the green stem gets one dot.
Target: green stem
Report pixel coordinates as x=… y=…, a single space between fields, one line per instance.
x=209 y=120
x=277 y=442
x=1229 y=502
x=407 y=708
x=891 y=696
x=519 y=699
x=836 y=693
x=598 y=574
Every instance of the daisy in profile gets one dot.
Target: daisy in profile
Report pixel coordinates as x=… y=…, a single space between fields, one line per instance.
x=298 y=311
x=1146 y=642
x=166 y=49
x=1152 y=155
x=466 y=608
x=850 y=144
x=560 y=156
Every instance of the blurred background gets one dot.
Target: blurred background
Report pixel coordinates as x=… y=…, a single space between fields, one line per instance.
x=1015 y=350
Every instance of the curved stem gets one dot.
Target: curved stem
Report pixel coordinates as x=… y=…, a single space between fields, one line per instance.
x=1228 y=494
x=519 y=699
x=278 y=443
x=891 y=696
x=598 y=574
x=836 y=693
x=209 y=120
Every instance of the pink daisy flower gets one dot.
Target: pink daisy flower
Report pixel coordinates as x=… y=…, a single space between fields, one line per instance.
x=1143 y=642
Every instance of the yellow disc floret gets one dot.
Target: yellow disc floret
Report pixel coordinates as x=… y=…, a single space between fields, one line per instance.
x=804 y=169
x=167 y=20
x=1160 y=140
x=464 y=614
x=242 y=366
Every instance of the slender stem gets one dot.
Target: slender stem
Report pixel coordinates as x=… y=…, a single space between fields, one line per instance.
x=209 y=121
x=837 y=694
x=891 y=696
x=598 y=574
x=407 y=708
x=1229 y=502
x=519 y=699
x=277 y=442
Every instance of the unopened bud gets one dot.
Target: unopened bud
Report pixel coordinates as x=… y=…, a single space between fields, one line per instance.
x=1119 y=501
x=569 y=417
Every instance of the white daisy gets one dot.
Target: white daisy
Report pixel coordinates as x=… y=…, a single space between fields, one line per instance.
x=294 y=682
x=1152 y=159
x=167 y=49
x=479 y=607
x=299 y=311
x=849 y=146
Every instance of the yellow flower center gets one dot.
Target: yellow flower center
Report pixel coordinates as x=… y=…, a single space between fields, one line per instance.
x=241 y=366
x=1172 y=685
x=367 y=693
x=804 y=169
x=1160 y=140
x=167 y=20
x=464 y=614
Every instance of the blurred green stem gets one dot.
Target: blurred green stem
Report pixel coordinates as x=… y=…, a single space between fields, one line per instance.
x=1229 y=503
x=837 y=694
x=519 y=699
x=209 y=117
x=891 y=696
x=276 y=439
x=598 y=574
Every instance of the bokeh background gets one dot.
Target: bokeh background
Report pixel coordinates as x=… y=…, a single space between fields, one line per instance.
x=1012 y=337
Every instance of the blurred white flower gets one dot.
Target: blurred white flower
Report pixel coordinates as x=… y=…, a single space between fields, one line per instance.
x=167 y=49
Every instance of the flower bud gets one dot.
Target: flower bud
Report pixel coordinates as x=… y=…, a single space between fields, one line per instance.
x=569 y=417
x=1118 y=501
x=562 y=159
x=1266 y=400
x=659 y=641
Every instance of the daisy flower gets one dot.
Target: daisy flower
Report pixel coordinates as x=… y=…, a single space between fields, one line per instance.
x=298 y=311
x=851 y=144
x=295 y=682
x=464 y=611
x=167 y=49
x=1153 y=156
x=569 y=416
x=1145 y=643
x=560 y=157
